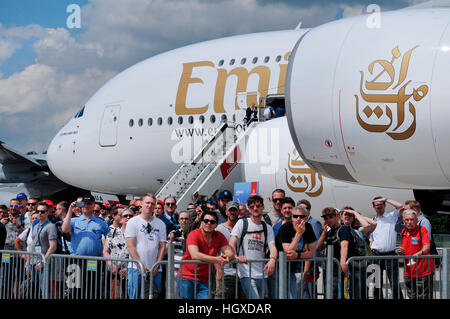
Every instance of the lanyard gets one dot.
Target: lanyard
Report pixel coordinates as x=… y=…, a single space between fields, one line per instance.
x=39 y=230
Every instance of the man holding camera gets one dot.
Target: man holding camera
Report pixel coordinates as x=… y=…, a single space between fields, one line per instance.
x=86 y=233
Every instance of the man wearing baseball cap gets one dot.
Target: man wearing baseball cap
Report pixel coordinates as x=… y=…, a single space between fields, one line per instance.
x=86 y=237
x=225 y=196
x=226 y=286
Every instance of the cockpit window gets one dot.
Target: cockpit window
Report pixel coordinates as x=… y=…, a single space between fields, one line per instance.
x=80 y=112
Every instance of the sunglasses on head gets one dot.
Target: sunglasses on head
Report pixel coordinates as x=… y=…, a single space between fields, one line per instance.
x=210 y=221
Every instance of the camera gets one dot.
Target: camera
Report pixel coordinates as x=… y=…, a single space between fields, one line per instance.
x=79 y=204
x=177 y=233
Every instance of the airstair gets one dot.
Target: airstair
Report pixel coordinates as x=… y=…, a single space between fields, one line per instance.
x=208 y=170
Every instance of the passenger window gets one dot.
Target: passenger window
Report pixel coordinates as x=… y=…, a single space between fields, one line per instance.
x=201 y=119
x=255 y=59
x=160 y=120
x=223 y=118
x=150 y=121
x=232 y=61
x=212 y=118
x=266 y=59
x=221 y=62
x=278 y=58
x=191 y=119
x=170 y=120
x=243 y=60
x=131 y=123
x=180 y=120
x=141 y=122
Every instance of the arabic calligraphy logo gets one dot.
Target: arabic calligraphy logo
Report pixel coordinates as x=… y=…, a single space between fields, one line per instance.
x=301 y=178
x=386 y=106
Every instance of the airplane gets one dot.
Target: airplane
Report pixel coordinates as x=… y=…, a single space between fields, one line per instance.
x=29 y=174
x=122 y=140
x=376 y=100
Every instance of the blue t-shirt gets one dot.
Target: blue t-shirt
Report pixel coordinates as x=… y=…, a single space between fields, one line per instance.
x=86 y=235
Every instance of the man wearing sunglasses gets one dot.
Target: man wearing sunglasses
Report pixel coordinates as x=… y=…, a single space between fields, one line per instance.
x=170 y=218
x=31 y=205
x=44 y=241
x=86 y=237
x=17 y=218
x=202 y=244
x=329 y=236
x=296 y=238
x=276 y=216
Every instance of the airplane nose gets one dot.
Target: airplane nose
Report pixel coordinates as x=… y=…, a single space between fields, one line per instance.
x=59 y=152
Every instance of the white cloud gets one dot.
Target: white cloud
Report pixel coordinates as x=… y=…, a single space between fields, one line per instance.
x=68 y=69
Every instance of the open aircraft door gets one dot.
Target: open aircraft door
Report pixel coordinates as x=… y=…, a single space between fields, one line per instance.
x=109 y=126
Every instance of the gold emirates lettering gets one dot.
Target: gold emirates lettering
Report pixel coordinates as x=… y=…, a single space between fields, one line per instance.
x=302 y=179
x=242 y=74
x=390 y=109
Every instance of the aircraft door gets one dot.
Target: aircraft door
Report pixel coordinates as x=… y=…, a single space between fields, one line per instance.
x=109 y=126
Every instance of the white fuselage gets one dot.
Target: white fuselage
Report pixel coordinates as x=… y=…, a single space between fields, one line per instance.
x=112 y=148
x=127 y=138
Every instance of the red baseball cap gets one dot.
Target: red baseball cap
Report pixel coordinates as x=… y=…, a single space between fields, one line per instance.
x=49 y=202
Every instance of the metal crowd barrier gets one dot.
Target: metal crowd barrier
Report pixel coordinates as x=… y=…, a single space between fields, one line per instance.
x=15 y=281
x=81 y=277
x=70 y=277
x=385 y=277
x=368 y=277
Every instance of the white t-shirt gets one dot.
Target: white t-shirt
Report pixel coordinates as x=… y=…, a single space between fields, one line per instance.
x=147 y=244
x=253 y=246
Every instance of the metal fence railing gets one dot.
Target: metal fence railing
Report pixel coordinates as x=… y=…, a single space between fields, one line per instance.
x=25 y=275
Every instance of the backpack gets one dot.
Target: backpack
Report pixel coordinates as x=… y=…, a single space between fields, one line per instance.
x=61 y=244
x=359 y=244
x=245 y=231
x=433 y=250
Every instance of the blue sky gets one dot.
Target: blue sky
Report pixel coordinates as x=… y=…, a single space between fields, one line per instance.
x=47 y=13
x=48 y=71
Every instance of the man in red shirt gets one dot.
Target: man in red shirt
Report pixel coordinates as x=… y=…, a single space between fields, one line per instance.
x=202 y=244
x=418 y=271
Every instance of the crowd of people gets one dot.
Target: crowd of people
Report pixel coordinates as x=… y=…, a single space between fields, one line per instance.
x=227 y=237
